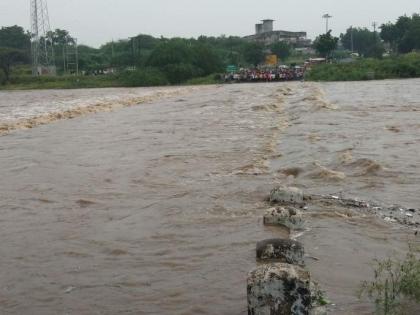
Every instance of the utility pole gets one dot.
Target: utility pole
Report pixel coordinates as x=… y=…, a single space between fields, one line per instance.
x=139 y=48
x=352 y=39
x=374 y=24
x=112 y=49
x=42 y=49
x=326 y=17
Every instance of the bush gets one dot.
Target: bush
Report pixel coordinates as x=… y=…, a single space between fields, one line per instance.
x=62 y=82
x=395 y=283
x=405 y=66
x=210 y=79
x=181 y=60
x=2 y=78
x=143 y=77
x=178 y=73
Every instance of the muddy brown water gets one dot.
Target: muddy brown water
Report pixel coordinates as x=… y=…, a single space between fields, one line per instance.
x=156 y=208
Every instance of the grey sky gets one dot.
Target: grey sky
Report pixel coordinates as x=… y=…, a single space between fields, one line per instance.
x=94 y=22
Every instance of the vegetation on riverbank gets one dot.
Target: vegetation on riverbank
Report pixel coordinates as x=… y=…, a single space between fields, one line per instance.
x=140 y=78
x=395 y=288
x=396 y=67
x=61 y=82
x=144 y=60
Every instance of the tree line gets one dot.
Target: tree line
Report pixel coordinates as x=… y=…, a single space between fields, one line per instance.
x=147 y=60
x=400 y=37
x=172 y=60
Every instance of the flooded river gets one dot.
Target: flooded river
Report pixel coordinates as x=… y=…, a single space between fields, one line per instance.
x=150 y=201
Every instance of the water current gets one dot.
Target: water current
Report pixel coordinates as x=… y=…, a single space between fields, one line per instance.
x=150 y=201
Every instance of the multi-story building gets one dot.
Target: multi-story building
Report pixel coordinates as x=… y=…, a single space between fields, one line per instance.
x=265 y=33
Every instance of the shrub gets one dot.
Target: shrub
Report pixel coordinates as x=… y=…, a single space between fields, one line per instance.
x=143 y=77
x=210 y=79
x=177 y=73
x=395 y=282
x=406 y=66
x=2 y=78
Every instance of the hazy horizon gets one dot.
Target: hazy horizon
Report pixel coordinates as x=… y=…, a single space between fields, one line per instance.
x=95 y=22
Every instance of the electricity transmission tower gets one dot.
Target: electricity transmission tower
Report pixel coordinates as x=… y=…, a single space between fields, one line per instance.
x=41 y=41
x=71 y=57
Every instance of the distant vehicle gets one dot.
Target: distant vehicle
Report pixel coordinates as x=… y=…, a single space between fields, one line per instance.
x=315 y=61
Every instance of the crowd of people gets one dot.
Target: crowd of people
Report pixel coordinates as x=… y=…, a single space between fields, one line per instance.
x=281 y=73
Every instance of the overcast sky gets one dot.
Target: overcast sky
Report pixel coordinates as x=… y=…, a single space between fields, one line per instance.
x=95 y=22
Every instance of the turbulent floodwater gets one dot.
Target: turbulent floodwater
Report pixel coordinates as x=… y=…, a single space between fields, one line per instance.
x=156 y=208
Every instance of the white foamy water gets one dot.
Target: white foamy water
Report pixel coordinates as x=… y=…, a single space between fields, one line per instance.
x=156 y=208
x=15 y=105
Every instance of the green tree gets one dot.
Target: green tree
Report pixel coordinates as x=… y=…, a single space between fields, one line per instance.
x=404 y=35
x=120 y=53
x=282 y=50
x=175 y=51
x=175 y=58
x=365 y=42
x=253 y=53
x=411 y=39
x=181 y=59
x=389 y=35
x=91 y=59
x=8 y=58
x=15 y=37
x=61 y=37
x=206 y=58
x=325 y=44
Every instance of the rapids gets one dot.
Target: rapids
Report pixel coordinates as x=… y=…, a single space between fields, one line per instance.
x=150 y=201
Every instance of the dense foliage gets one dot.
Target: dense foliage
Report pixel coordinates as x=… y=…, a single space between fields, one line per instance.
x=8 y=58
x=146 y=60
x=282 y=50
x=166 y=60
x=144 y=77
x=363 y=41
x=404 y=35
x=404 y=66
x=325 y=44
x=181 y=60
x=15 y=37
x=395 y=288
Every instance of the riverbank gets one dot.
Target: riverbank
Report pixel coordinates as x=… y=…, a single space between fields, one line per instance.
x=399 y=67
x=134 y=79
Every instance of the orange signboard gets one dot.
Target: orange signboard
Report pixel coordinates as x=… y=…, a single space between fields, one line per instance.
x=271 y=60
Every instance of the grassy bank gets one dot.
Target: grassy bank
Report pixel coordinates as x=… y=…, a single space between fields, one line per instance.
x=127 y=79
x=404 y=66
x=60 y=82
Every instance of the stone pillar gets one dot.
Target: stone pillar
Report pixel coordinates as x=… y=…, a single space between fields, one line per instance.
x=279 y=289
x=281 y=250
x=284 y=216
x=287 y=195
